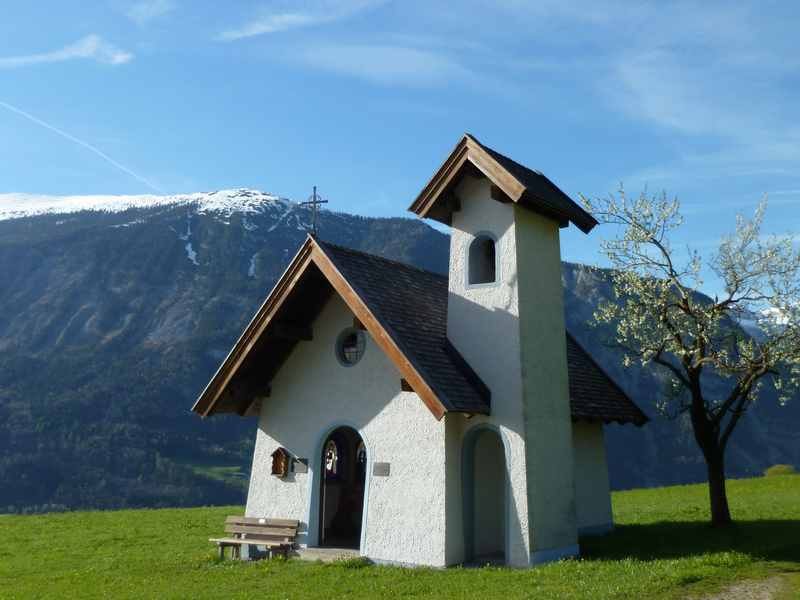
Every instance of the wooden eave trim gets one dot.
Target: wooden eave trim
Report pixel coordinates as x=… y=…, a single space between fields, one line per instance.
x=467 y=150
x=496 y=173
x=582 y=219
x=378 y=333
x=308 y=253
x=211 y=394
x=441 y=180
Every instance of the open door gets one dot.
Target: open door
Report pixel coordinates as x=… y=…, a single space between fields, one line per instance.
x=344 y=469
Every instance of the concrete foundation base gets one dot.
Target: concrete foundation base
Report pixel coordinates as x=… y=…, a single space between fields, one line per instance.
x=552 y=554
x=326 y=554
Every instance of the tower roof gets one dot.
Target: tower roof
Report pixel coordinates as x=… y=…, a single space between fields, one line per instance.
x=511 y=182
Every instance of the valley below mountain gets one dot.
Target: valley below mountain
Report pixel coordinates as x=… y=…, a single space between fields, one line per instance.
x=115 y=312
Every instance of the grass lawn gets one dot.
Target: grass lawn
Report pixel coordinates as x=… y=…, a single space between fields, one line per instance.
x=662 y=548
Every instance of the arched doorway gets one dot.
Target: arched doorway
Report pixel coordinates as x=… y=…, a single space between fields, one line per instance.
x=485 y=489
x=344 y=469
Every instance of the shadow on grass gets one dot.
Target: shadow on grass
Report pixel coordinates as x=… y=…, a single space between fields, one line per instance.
x=777 y=540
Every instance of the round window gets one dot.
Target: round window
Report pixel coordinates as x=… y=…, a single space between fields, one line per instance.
x=350 y=346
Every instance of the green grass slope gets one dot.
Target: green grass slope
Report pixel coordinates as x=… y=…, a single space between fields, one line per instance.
x=662 y=548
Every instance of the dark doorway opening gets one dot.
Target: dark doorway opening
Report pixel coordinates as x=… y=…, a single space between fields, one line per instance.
x=344 y=469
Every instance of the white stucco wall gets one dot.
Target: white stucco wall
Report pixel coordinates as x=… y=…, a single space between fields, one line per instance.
x=592 y=491
x=483 y=324
x=311 y=395
x=512 y=334
x=545 y=383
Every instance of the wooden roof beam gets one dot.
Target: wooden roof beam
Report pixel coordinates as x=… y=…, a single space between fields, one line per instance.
x=211 y=395
x=292 y=332
x=244 y=393
x=498 y=194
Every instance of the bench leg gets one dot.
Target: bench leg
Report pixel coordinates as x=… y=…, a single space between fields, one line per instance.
x=221 y=550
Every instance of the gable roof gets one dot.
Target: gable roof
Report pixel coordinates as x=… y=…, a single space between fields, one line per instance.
x=434 y=370
x=511 y=181
x=411 y=305
x=405 y=311
x=593 y=394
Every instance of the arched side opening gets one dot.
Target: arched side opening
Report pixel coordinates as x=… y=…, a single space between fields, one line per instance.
x=485 y=497
x=343 y=471
x=482 y=260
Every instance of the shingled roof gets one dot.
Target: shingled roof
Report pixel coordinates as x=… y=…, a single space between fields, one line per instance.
x=413 y=305
x=511 y=182
x=593 y=394
x=405 y=311
x=541 y=192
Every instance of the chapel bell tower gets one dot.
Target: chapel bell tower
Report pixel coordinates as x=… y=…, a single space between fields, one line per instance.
x=505 y=316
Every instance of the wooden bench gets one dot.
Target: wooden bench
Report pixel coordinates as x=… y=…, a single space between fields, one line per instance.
x=276 y=534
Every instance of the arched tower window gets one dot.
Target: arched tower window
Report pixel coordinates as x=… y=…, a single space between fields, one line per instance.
x=482 y=260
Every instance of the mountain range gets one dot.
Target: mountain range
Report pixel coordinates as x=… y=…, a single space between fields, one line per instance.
x=116 y=310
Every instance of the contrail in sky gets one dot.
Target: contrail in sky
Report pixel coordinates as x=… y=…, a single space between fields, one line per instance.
x=86 y=145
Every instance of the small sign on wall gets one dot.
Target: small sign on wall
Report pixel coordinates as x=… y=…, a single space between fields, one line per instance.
x=300 y=465
x=380 y=469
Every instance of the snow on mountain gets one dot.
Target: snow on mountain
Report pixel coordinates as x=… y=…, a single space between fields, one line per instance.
x=222 y=202
x=759 y=324
x=751 y=324
x=775 y=315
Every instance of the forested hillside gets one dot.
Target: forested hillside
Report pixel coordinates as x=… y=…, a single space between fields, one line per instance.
x=111 y=323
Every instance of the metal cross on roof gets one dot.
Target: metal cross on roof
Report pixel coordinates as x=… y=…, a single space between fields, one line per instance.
x=314 y=201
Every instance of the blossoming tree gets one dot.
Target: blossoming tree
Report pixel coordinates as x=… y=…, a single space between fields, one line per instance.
x=660 y=318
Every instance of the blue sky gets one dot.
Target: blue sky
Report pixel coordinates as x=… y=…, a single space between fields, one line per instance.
x=364 y=98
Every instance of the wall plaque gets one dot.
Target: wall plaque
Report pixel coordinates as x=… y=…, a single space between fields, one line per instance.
x=300 y=465
x=380 y=469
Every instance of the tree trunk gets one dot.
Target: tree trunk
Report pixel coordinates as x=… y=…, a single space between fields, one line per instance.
x=720 y=513
x=707 y=438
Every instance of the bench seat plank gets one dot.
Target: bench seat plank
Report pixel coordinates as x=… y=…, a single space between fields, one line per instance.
x=246 y=542
x=278 y=532
x=291 y=523
x=263 y=538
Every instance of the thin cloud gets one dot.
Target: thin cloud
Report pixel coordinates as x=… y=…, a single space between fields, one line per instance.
x=708 y=79
x=385 y=65
x=273 y=24
x=314 y=14
x=91 y=47
x=146 y=10
x=80 y=142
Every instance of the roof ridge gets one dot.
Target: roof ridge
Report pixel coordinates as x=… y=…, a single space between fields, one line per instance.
x=382 y=258
x=505 y=156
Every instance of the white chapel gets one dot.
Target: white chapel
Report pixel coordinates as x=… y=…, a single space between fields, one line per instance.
x=426 y=419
